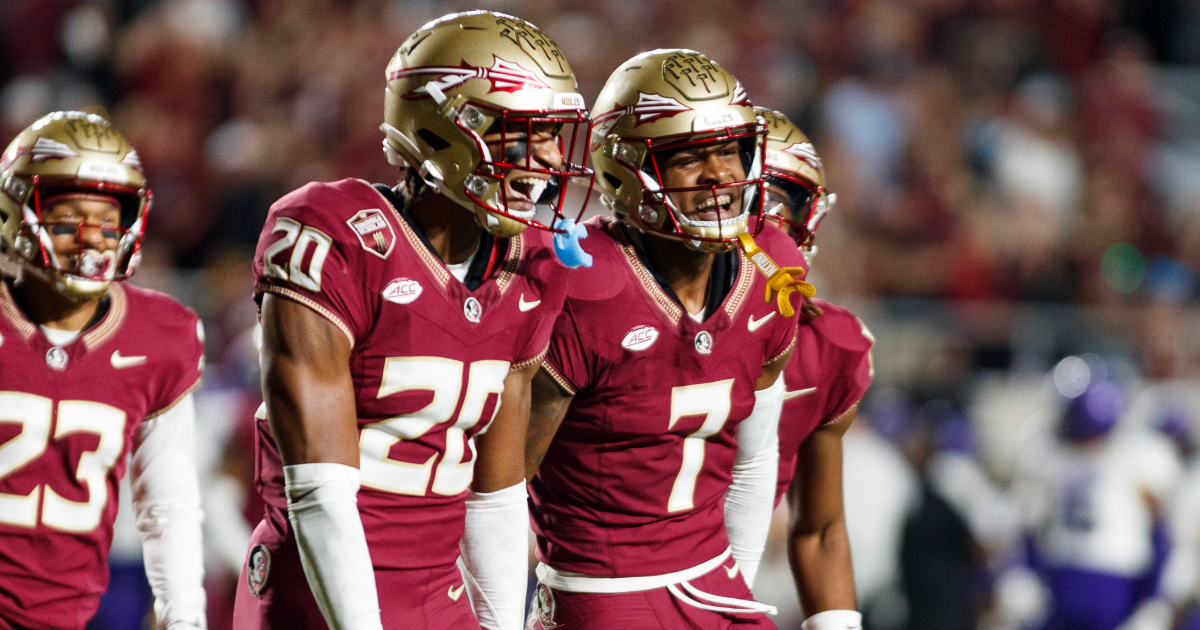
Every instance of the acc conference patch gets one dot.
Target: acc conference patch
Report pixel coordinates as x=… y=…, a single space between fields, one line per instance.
x=258 y=569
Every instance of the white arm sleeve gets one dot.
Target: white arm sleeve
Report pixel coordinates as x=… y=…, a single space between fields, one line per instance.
x=166 y=502
x=750 y=498
x=323 y=510
x=495 y=556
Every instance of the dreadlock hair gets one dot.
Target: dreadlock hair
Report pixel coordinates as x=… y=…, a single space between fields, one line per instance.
x=412 y=188
x=809 y=310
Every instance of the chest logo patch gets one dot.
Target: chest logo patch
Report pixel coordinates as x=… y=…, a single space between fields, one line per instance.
x=640 y=338
x=56 y=358
x=704 y=342
x=527 y=306
x=258 y=569
x=753 y=324
x=472 y=310
x=374 y=232
x=402 y=291
x=120 y=362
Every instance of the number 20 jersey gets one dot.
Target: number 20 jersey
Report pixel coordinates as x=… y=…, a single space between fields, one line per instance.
x=428 y=359
x=68 y=417
x=634 y=481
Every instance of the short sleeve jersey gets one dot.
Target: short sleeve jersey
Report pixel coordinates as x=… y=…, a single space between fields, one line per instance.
x=827 y=375
x=633 y=483
x=428 y=361
x=68 y=416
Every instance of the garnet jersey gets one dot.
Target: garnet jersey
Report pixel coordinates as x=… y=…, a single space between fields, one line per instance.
x=68 y=417
x=633 y=483
x=429 y=356
x=826 y=376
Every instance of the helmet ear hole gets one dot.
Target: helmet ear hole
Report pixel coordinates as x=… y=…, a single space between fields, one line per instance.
x=435 y=142
x=612 y=180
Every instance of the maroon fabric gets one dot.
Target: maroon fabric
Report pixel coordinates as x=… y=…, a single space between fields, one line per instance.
x=646 y=610
x=600 y=498
x=417 y=335
x=833 y=360
x=416 y=599
x=50 y=577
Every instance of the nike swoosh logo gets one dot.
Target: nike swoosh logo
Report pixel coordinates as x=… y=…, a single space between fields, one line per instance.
x=798 y=393
x=119 y=361
x=731 y=571
x=455 y=593
x=755 y=325
x=527 y=306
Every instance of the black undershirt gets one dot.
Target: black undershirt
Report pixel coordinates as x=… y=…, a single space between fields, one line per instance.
x=479 y=264
x=720 y=282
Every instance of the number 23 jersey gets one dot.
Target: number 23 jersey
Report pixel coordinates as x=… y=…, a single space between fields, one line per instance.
x=633 y=483
x=68 y=417
x=428 y=360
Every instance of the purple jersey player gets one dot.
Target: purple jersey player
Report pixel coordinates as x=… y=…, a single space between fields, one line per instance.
x=401 y=328
x=654 y=425
x=91 y=370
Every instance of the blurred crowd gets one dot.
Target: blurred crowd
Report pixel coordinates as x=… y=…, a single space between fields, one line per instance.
x=1016 y=183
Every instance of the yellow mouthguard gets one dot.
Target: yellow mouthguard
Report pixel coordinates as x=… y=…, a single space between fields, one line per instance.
x=780 y=280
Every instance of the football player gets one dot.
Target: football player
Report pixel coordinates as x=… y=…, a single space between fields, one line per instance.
x=1092 y=501
x=653 y=433
x=401 y=328
x=91 y=369
x=825 y=378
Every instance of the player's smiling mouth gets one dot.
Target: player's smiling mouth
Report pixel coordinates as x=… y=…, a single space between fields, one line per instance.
x=524 y=192
x=713 y=208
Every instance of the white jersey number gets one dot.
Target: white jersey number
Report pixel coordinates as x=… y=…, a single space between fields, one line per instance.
x=34 y=415
x=298 y=237
x=714 y=400
x=444 y=378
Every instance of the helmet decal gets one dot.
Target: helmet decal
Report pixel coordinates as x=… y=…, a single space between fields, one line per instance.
x=648 y=108
x=13 y=154
x=537 y=45
x=50 y=149
x=694 y=75
x=132 y=160
x=505 y=76
x=804 y=151
x=740 y=97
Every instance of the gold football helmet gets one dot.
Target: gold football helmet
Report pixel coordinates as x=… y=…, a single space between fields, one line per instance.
x=70 y=153
x=661 y=102
x=467 y=74
x=796 y=197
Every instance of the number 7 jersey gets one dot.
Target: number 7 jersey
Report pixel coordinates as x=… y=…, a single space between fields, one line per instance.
x=634 y=481
x=429 y=355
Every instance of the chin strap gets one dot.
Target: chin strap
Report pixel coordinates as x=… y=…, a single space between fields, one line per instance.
x=781 y=280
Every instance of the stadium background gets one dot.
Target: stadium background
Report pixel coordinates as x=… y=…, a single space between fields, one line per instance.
x=1017 y=183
